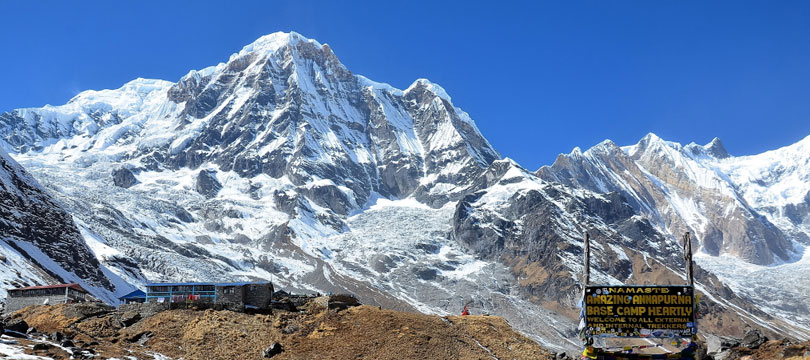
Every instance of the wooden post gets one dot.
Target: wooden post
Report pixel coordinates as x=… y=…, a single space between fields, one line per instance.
x=687 y=255
x=587 y=280
x=690 y=275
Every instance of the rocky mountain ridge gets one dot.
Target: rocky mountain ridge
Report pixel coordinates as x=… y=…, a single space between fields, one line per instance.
x=40 y=243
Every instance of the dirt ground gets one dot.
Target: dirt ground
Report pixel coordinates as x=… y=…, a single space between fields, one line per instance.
x=362 y=332
x=774 y=349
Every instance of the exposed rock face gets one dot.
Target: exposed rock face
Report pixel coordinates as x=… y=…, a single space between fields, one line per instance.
x=33 y=225
x=124 y=178
x=207 y=184
x=533 y=225
x=536 y=228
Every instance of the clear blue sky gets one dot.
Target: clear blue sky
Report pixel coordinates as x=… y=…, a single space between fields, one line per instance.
x=538 y=77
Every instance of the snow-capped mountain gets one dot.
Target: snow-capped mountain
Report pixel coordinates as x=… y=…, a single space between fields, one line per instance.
x=281 y=164
x=681 y=188
x=753 y=208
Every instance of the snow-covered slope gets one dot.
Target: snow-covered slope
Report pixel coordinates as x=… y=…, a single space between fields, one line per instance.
x=776 y=183
x=39 y=242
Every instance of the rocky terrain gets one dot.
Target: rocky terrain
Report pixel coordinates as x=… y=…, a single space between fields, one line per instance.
x=363 y=332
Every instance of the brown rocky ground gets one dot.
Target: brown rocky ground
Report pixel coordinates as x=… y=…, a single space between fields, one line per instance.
x=774 y=349
x=361 y=332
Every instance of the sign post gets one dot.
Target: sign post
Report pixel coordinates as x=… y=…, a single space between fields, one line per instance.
x=630 y=311
x=638 y=311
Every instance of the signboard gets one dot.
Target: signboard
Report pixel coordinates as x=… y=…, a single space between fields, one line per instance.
x=639 y=311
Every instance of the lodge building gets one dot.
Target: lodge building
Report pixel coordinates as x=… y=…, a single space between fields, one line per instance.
x=238 y=295
x=46 y=294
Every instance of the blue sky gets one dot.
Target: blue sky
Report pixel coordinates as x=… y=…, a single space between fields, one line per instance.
x=538 y=77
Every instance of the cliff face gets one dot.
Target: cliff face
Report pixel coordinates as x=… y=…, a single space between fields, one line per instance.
x=39 y=241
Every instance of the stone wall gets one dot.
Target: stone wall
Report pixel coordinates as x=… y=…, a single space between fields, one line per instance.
x=231 y=296
x=258 y=295
x=16 y=303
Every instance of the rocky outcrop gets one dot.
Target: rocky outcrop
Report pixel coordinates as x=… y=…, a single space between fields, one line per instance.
x=123 y=177
x=30 y=217
x=537 y=228
x=207 y=184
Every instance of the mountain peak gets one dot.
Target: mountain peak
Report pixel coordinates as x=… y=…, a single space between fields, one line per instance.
x=716 y=149
x=273 y=42
x=430 y=86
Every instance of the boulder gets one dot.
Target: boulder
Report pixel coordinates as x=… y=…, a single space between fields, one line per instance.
x=753 y=339
x=272 y=350
x=712 y=344
x=728 y=342
x=15 y=326
x=57 y=336
x=124 y=178
x=130 y=317
x=41 y=346
x=342 y=301
x=207 y=184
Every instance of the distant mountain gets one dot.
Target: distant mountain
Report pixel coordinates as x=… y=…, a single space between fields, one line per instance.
x=281 y=164
x=695 y=188
x=752 y=208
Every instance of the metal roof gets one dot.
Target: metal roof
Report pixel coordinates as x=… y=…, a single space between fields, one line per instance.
x=210 y=283
x=56 y=286
x=134 y=295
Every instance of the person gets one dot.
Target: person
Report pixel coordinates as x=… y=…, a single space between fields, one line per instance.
x=466 y=311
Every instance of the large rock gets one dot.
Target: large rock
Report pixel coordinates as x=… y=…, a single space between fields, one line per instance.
x=124 y=178
x=753 y=339
x=207 y=184
x=272 y=350
x=87 y=310
x=14 y=326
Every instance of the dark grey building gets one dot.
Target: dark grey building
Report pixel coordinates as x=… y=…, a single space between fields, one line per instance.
x=238 y=295
x=46 y=294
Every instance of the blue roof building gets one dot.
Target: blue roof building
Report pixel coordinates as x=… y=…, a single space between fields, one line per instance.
x=136 y=296
x=239 y=295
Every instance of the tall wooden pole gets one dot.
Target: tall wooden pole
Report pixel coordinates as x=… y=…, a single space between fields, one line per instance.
x=690 y=277
x=687 y=255
x=587 y=280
